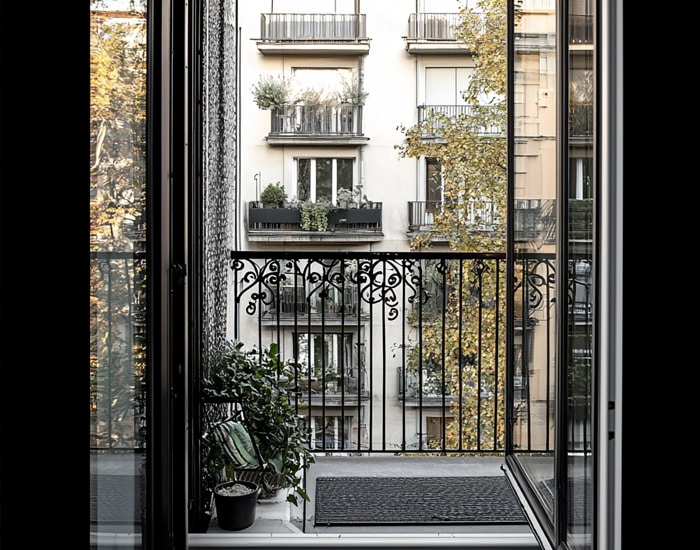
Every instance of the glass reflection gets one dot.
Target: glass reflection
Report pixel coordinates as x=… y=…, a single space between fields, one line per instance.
x=535 y=246
x=580 y=183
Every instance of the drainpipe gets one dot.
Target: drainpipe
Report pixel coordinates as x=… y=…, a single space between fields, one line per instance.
x=360 y=81
x=415 y=114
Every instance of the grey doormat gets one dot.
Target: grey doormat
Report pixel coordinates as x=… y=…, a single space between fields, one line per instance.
x=415 y=500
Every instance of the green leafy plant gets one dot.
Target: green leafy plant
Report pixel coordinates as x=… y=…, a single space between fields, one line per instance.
x=273 y=195
x=314 y=215
x=271 y=92
x=254 y=381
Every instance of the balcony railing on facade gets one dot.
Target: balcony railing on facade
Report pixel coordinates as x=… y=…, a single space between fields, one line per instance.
x=486 y=120
x=389 y=388
x=314 y=33
x=533 y=220
x=345 y=225
x=433 y=33
x=292 y=306
x=316 y=125
x=475 y=215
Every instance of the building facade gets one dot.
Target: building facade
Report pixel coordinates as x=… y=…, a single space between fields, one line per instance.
x=354 y=74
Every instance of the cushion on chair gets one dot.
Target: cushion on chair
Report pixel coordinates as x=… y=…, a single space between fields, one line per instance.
x=237 y=444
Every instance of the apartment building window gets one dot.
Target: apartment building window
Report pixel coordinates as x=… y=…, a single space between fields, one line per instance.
x=321 y=178
x=314 y=6
x=321 y=85
x=580 y=177
x=433 y=182
x=326 y=354
x=445 y=85
x=331 y=432
x=434 y=428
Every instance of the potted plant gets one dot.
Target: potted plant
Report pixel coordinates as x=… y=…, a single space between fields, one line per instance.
x=271 y=92
x=247 y=391
x=225 y=441
x=352 y=93
x=236 y=504
x=273 y=196
x=346 y=199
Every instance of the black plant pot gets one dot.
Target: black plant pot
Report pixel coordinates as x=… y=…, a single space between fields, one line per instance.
x=236 y=512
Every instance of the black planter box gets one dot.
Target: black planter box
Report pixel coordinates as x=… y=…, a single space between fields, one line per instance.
x=289 y=219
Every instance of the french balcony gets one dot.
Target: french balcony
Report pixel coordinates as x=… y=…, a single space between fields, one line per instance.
x=313 y=33
x=345 y=225
x=433 y=33
x=316 y=125
x=485 y=120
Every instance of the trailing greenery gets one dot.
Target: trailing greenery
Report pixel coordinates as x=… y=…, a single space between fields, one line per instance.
x=254 y=380
x=314 y=215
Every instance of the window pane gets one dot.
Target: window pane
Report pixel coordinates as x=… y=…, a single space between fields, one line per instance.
x=304 y=179
x=118 y=271
x=345 y=174
x=534 y=213
x=580 y=362
x=324 y=179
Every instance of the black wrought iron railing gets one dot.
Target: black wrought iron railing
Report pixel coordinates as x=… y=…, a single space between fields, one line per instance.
x=368 y=332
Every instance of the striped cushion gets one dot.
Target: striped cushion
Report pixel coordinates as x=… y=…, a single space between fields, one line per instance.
x=237 y=445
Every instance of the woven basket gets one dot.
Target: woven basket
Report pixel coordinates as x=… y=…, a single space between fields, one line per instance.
x=269 y=483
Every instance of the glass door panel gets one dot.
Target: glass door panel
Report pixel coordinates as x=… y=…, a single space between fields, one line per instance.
x=534 y=213
x=118 y=272
x=580 y=181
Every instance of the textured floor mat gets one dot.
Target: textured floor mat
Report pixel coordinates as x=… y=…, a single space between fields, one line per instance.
x=415 y=500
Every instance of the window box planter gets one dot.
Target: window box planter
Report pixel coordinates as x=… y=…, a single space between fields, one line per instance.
x=367 y=218
x=356 y=218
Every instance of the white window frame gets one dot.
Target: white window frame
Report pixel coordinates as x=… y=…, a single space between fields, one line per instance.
x=312 y=175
